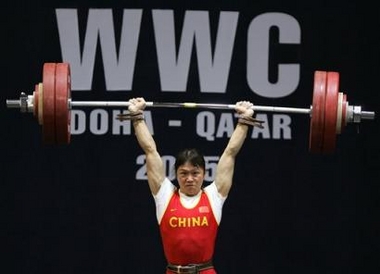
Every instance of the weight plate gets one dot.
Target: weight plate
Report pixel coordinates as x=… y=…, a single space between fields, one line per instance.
x=331 y=108
x=48 y=127
x=317 y=122
x=62 y=95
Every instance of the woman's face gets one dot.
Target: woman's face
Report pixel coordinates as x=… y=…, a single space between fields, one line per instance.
x=190 y=178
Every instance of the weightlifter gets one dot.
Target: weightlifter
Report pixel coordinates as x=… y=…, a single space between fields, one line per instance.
x=189 y=215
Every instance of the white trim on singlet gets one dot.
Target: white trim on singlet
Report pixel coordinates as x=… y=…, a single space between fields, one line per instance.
x=167 y=189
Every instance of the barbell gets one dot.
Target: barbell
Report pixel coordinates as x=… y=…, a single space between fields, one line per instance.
x=51 y=103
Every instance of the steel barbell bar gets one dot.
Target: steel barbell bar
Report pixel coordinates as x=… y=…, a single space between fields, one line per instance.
x=25 y=103
x=11 y=103
x=51 y=103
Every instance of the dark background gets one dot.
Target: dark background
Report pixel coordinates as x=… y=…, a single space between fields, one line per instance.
x=79 y=208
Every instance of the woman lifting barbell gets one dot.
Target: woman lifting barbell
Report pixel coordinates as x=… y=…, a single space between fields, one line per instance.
x=189 y=215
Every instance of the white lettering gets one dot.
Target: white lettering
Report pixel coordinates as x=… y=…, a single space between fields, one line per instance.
x=168 y=161
x=258 y=55
x=78 y=122
x=99 y=122
x=211 y=163
x=120 y=127
x=281 y=123
x=264 y=132
x=118 y=67
x=206 y=125
x=207 y=121
x=226 y=125
x=213 y=69
x=214 y=63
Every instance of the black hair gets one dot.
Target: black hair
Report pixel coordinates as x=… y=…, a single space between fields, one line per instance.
x=191 y=155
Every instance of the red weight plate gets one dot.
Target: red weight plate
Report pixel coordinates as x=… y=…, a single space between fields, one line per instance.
x=62 y=95
x=48 y=127
x=317 y=122
x=331 y=108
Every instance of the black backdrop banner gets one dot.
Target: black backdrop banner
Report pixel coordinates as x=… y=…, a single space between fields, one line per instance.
x=86 y=207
